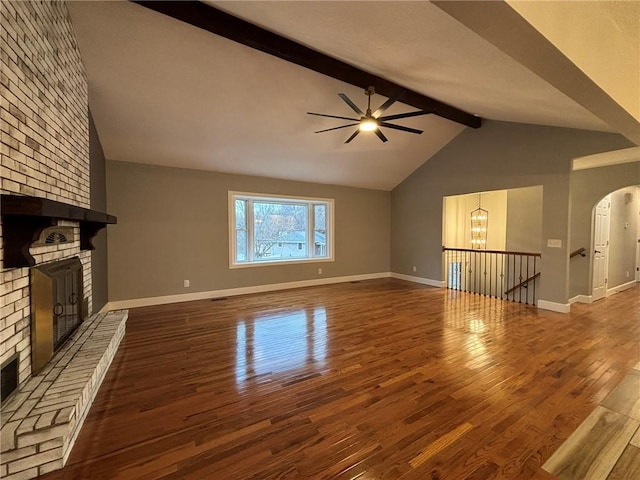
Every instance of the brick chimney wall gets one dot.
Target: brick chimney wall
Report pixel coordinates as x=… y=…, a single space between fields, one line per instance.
x=44 y=132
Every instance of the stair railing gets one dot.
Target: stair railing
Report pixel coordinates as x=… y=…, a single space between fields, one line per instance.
x=508 y=275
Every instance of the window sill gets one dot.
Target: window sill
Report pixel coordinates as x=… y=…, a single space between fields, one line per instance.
x=280 y=262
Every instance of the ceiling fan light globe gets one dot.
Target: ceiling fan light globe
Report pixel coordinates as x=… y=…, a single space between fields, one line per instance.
x=368 y=125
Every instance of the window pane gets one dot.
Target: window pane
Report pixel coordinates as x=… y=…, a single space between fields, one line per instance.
x=241 y=246
x=268 y=229
x=280 y=230
x=241 y=230
x=320 y=212
x=241 y=214
x=320 y=231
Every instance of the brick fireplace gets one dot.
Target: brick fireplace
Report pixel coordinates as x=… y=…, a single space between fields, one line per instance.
x=44 y=147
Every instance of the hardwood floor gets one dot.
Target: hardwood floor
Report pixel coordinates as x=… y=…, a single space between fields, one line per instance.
x=606 y=445
x=382 y=379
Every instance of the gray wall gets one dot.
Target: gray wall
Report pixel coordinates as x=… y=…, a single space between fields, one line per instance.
x=588 y=187
x=622 y=237
x=98 y=202
x=524 y=219
x=172 y=226
x=497 y=156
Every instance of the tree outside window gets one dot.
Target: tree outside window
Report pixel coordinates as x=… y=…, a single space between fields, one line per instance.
x=278 y=229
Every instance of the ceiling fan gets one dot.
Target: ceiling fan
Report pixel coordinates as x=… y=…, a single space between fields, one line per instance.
x=371 y=122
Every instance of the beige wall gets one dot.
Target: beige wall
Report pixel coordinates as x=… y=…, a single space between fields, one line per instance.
x=172 y=226
x=524 y=219
x=515 y=219
x=500 y=155
x=588 y=187
x=603 y=41
x=457 y=219
x=625 y=210
x=577 y=47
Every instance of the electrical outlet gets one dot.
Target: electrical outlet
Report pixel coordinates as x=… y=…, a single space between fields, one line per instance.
x=187 y=283
x=319 y=271
x=414 y=268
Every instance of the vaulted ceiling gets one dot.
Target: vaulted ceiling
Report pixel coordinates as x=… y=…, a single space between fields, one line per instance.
x=164 y=92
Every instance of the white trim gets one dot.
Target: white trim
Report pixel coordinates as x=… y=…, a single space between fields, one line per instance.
x=276 y=196
x=105 y=308
x=581 y=299
x=309 y=202
x=267 y=263
x=187 y=297
x=554 y=306
x=626 y=155
x=423 y=281
x=621 y=288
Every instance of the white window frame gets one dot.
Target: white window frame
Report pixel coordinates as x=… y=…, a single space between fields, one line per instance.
x=308 y=201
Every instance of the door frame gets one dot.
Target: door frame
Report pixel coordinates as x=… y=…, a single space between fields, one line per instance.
x=594 y=236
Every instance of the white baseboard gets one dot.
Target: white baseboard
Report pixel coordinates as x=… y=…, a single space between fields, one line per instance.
x=187 y=297
x=105 y=308
x=581 y=299
x=423 y=281
x=554 y=306
x=621 y=288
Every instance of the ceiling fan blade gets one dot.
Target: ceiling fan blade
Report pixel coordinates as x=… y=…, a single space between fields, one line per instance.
x=400 y=127
x=336 y=128
x=355 y=134
x=381 y=135
x=404 y=115
x=332 y=116
x=353 y=106
x=384 y=106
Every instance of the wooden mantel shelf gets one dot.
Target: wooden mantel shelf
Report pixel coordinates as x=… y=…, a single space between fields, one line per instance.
x=24 y=218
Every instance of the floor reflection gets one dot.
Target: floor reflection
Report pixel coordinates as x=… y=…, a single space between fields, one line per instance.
x=280 y=342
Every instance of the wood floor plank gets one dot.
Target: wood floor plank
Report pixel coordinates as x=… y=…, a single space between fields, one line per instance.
x=594 y=448
x=635 y=441
x=628 y=465
x=625 y=398
x=440 y=444
x=375 y=379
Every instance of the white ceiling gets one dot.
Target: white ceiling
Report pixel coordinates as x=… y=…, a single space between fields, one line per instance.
x=166 y=93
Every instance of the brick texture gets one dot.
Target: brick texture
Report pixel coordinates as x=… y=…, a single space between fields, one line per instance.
x=44 y=144
x=41 y=423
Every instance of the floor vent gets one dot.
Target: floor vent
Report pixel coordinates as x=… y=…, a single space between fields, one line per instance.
x=219 y=299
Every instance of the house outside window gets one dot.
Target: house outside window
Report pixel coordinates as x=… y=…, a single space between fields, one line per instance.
x=267 y=229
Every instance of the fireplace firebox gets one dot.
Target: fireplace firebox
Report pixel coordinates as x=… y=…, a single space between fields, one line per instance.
x=56 y=308
x=8 y=377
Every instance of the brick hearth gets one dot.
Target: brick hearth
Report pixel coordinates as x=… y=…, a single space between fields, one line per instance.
x=41 y=421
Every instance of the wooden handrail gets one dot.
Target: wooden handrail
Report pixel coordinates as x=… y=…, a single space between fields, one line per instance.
x=524 y=282
x=504 y=252
x=580 y=252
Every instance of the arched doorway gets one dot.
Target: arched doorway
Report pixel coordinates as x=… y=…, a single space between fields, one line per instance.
x=615 y=239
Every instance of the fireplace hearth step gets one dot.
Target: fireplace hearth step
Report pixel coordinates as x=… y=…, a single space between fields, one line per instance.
x=41 y=421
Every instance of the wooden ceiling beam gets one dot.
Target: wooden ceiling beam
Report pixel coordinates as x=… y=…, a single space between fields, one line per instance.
x=216 y=21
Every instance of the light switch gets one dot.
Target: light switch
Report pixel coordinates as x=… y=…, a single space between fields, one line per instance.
x=554 y=243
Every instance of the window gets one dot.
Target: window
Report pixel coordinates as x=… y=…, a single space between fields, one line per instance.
x=266 y=229
x=455 y=275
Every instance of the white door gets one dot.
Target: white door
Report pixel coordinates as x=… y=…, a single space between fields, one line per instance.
x=600 y=249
